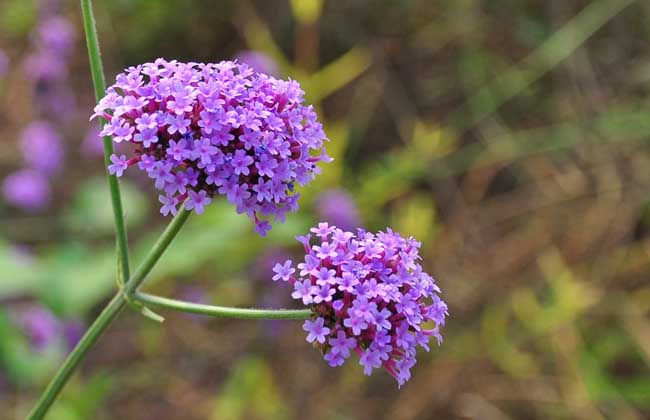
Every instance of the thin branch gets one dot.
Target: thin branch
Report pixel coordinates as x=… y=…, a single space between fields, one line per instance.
x=219 y=311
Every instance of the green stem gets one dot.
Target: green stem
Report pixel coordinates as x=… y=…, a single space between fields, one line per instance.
x=219 y=311
x=99 y=85
x=156 y=252
x=106 y=318
x=78 y=353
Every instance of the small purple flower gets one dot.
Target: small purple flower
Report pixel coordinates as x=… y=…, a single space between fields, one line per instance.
x=324 y=294
x=169 y=205
x=147 y=137
x=342 y=344
x=356 y=324
x=197 y=201
x=325 y=250
x=305 y=291
x=177 y=150
x=240 y=163
x=316 y=329
x=263 y=227
x=323 y=230
x=283 y=271
x=118 y=166
x=325 y=276
x=177 y=124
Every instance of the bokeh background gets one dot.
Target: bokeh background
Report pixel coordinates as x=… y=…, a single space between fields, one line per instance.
x=510 y=137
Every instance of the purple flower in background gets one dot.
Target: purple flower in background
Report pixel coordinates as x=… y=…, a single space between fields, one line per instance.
x=4 y=64
x=42 y=147
x=194 y=294
x=44 y=66
x=73 y=330
x=242 y=134
x=91 y=146
x=338 y=207
x=259 y=61
x=57 y=35
x=265 y=262
x=27 y=189
x=40 y=325
x=373 y=298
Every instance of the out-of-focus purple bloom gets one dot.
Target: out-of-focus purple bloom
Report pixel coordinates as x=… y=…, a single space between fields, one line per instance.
x=4 y=64
x=22 y=254
x=194 y=294
x=73 y=330
x=57 y=35
x=91 y=145
x=42 y=147
x=259 y=61
x=40 y=325
x=368 y=294
x=265 y=262
x=27 y=189
x=338 y=207
x=55 y=100
x=241 y=134
x=44 y=66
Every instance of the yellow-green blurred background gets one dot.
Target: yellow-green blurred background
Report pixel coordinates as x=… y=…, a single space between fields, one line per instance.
x=509 y=136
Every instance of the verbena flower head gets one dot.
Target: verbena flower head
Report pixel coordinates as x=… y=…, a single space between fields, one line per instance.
x=368 y=295
x=205 y=129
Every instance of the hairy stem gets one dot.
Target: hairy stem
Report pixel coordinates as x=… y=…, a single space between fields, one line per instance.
x=106 y=318
x=99 y=85
x=219 y=311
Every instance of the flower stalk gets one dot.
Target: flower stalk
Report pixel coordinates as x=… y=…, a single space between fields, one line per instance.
x=99 y=86
x=219 y=311
x=105 y=319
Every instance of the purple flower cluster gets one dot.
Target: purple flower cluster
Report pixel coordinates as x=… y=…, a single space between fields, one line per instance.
x=206 y=129
x=369 y=295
